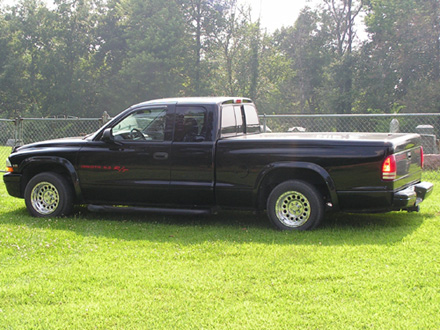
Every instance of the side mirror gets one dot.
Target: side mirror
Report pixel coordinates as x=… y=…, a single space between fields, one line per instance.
x=107 y=136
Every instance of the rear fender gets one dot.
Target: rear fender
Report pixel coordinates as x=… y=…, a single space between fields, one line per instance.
x=298 y=167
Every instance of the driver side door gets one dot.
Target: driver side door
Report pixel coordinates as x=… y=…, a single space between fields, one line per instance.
x=134 y=168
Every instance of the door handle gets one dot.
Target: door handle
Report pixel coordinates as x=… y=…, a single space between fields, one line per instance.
x=160 y=155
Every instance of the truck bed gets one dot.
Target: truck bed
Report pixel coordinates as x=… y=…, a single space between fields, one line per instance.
x=352 y=161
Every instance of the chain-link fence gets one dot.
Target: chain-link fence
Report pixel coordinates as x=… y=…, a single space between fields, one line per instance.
x=33 y=130
x=7 y=140
x=405 y=123
x=26 y=130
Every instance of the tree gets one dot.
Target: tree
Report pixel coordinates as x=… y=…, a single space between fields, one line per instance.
x=204 y=19
x=154 y=65
x=307 y=46
x=49 y=62
x=26 y=41
x=109 y=58
x=236 y=51
x=341 y=16
x=6 y=104
x=68 y=66
x=402 y=60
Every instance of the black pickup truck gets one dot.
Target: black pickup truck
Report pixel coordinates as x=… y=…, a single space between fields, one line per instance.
x=198 y=155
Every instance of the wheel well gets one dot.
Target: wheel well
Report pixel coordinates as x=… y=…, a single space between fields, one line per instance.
x=35 y=169
x=278 y=176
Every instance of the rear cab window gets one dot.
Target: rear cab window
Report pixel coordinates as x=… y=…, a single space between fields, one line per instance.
x=239 y=120
x=252 y=121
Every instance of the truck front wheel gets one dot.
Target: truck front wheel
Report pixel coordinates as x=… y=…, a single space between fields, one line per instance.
x=48 y=195
x=295 y=205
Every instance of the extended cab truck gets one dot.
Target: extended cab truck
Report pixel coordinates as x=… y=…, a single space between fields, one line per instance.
x=195 y=155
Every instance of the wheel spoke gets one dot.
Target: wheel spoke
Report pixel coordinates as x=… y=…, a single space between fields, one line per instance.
x=45 y=198
x=292 y=209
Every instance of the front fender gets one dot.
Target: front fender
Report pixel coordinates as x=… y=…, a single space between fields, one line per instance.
x=320 y=171
x=47 y=161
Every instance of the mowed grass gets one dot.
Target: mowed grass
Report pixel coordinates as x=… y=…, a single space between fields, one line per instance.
x=230 y=271
x=4 y=153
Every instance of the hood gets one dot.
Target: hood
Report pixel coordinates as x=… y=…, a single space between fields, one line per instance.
x=51 y=143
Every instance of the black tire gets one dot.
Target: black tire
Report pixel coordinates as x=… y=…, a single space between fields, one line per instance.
x=48 y=195
x=295 y=205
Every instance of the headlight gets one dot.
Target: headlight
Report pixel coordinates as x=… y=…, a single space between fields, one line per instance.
x=9 y=167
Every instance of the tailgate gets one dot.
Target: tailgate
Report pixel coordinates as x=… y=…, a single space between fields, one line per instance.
x=409 y=157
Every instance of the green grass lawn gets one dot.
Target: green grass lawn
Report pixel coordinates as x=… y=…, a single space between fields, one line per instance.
x=231 y=271
x=4 y=153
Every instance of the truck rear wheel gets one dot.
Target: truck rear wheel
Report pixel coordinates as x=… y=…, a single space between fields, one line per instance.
x=295 y=205
x=48 y=195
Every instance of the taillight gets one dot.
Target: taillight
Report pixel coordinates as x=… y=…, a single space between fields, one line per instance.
x=389 y=168
x=422 y=157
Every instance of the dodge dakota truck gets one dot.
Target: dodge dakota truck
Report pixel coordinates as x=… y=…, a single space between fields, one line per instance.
x=199 y=155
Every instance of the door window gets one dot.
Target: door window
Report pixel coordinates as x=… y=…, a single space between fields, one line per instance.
x=142 y=125
x=191 y=125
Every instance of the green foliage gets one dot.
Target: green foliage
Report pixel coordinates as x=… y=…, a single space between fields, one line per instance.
x=81 y=57
x=403 y=56
x=155 y=61
x=305 y=45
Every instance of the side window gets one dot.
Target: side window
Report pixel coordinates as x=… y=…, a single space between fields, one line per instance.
x=142 y=125
x=252 y=122
x=229 y=123
x=191 y=125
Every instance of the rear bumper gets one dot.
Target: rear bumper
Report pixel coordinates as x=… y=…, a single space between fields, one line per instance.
x=372 y=201
x=13 y=184
x=409 y=198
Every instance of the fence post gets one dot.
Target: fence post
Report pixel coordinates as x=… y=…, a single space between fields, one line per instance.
x=264 y=123
x=18 y=132
x=394 y=126
x=105 y=118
